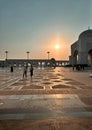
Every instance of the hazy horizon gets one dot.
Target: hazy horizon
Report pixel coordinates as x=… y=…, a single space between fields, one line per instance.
x=38 y=26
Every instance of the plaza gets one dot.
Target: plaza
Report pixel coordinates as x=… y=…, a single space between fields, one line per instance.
x=45 y=65
x=54 y=99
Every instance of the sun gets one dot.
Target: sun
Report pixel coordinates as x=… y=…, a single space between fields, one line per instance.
x=57 y=46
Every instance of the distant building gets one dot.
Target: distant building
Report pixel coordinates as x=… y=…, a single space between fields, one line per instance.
x=34 y=62
x=81 y=50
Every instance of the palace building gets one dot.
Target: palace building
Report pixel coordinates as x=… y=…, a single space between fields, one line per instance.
x=81 y=50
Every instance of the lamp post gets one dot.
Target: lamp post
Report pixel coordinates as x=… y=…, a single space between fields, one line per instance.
x=27 y=55
x=6 y=52
x=6 y=56
x=48 y=54
x=48 y=58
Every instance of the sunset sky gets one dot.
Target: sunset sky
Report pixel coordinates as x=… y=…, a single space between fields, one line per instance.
x=38 y=26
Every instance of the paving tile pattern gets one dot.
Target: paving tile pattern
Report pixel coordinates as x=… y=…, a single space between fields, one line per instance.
x=50 y=94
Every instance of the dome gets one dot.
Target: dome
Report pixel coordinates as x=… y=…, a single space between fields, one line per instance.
x=87 y=33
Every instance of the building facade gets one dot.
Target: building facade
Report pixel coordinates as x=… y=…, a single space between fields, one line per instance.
x=81 y=50
x=34 y=62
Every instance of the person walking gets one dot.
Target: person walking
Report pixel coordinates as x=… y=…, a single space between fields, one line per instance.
x=25 y=72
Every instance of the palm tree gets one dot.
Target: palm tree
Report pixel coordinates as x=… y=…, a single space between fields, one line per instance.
x=53 y=62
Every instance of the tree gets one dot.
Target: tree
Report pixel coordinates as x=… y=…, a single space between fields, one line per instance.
x=53 y=62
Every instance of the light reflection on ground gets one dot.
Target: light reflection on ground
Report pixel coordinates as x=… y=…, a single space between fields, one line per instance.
x=43 y=78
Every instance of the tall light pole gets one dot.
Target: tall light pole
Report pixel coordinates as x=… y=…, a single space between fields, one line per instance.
x=6 y=56
x=48 y=54
x=6 y=52
x=27 y=55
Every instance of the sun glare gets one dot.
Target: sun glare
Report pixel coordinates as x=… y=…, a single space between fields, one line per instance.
x=57 y=46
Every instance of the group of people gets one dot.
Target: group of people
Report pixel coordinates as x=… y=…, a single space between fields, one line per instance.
x=78 y=67
x=26 y=69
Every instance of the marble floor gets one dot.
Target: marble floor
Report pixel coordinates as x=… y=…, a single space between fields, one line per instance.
x=49 y=94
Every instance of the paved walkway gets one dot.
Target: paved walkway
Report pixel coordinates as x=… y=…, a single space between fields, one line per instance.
x=50 y=95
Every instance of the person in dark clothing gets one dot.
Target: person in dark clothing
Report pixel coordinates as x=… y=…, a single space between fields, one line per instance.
x=11 y=69
x=25 y=72
x=31 y=71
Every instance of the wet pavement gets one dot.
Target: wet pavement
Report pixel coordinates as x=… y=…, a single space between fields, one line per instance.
x=50 y=94
x=43 y=106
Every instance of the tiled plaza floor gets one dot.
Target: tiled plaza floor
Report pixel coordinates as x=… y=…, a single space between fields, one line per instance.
x=51 y=100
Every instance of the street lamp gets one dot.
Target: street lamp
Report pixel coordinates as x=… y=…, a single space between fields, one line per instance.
x=6 y=52
x=48 y=54
x=6 y=57
x=27 y=54
x=27 y=57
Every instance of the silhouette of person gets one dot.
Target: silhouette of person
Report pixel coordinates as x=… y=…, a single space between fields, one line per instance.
x=11 y=69
x=73 y=67
x=31 y=71
x=25 y=72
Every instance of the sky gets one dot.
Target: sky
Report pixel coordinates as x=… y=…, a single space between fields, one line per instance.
x=38 y=26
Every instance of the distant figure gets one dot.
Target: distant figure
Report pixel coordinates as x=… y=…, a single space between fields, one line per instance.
x=78 y=67
x=25 y=72
x=11 y=69
x=73 y=67
x=31 y=71
x=83 y=67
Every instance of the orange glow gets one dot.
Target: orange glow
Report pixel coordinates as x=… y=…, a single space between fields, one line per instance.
x=57 y=46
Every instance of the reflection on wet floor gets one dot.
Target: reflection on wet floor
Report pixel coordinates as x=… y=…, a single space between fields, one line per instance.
x=43 y=105
x=44 y=78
